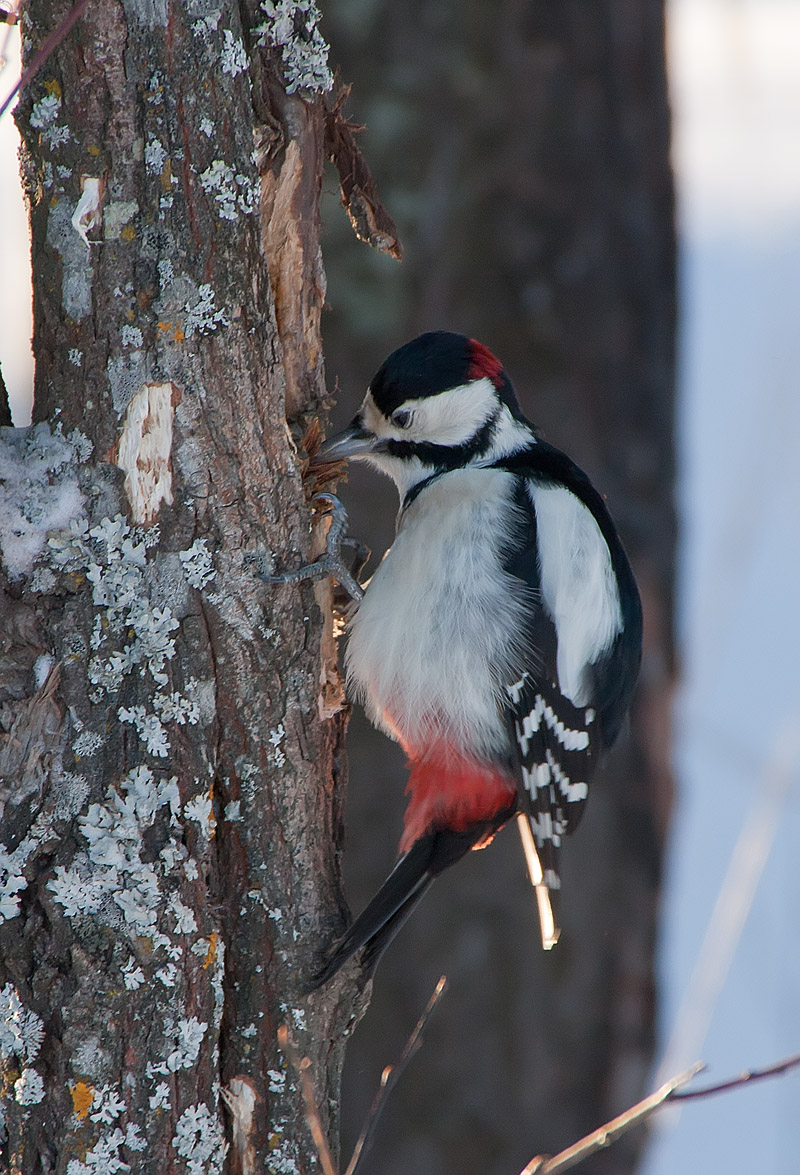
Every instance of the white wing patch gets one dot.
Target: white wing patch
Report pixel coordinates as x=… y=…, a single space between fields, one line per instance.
x=579 y=587
x=571 y=740
x=539 y=776
x=573 y=793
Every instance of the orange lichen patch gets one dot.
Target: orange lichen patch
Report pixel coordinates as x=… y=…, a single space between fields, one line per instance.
x=82 y=1098
x=212 y=820
x=211 y=953
x=165 y=326
x=53 y=87
x=128 y=233
x=179 y=336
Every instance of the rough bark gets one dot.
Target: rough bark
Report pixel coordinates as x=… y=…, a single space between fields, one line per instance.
x=169 y=726
x=523 y=148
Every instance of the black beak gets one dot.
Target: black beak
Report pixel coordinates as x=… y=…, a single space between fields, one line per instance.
x=354 y=441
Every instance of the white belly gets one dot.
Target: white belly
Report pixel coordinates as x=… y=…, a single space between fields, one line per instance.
x=433 y=642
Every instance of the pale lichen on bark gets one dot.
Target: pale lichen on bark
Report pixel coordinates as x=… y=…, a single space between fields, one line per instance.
x=115 y=880
x=181 y=791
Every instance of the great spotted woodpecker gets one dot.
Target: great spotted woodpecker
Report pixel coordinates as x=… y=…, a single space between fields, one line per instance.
x=499 y=640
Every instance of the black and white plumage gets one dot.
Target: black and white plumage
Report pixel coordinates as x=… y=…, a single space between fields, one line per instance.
x=499 y=640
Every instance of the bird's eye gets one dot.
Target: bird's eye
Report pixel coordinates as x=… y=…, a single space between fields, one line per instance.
x=402 y=417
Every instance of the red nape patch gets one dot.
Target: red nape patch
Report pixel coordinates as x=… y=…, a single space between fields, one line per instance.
x=483 y=364
x=450 y=791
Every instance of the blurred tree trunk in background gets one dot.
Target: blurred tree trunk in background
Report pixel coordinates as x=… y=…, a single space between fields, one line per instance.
x=169 y=725
x=523 y=149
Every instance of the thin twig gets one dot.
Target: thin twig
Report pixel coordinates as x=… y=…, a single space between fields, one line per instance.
x=743 y=1079
x=390 y=1076
x=50 y=43
x=9 y=15
x=302 y=1066
x=734 y=901
x=600 y=1139
x=669 y=1092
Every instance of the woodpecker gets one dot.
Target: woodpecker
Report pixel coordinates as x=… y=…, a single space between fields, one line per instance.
x=498 y=641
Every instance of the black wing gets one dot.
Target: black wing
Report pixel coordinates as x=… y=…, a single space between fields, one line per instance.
x=553 y=741
x=556 y=744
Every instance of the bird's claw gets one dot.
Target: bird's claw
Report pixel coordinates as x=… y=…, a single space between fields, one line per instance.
x=330 y=563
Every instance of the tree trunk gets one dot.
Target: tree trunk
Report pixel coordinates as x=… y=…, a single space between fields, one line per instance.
x=169 y=726
x=524 y=148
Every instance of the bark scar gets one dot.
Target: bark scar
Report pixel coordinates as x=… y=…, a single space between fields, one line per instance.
x=241 y=1097
x=145 y=449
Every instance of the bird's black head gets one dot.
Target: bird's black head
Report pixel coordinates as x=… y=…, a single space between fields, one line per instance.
x=434 y=363
x=441 y=402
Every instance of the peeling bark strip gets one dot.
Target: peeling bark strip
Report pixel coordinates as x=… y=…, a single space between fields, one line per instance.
x=145 y=450
x=370 y=220
x=169 y=826
x=295 y=267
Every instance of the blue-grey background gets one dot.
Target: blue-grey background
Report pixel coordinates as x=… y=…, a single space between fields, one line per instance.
x=735 y=92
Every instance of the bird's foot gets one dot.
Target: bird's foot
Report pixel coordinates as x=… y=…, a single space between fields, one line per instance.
x=331 y=562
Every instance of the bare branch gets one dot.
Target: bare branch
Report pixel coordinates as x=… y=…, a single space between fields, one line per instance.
x=669 y=1092
x=50 y=43
x=390 y=1076
x=600 y=1139
x=734 y=900
x=547 y=921
x=745 y=1078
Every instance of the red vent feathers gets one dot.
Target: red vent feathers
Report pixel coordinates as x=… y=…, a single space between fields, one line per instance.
x=449 y=790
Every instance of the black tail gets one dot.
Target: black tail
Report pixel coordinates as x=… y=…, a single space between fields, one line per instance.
x=410 y=879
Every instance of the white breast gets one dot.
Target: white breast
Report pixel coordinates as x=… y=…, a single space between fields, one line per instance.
x=434 y=639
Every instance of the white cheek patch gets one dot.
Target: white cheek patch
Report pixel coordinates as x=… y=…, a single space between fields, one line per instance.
x=452 y=417
x=449 y=418
x=579 y=587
